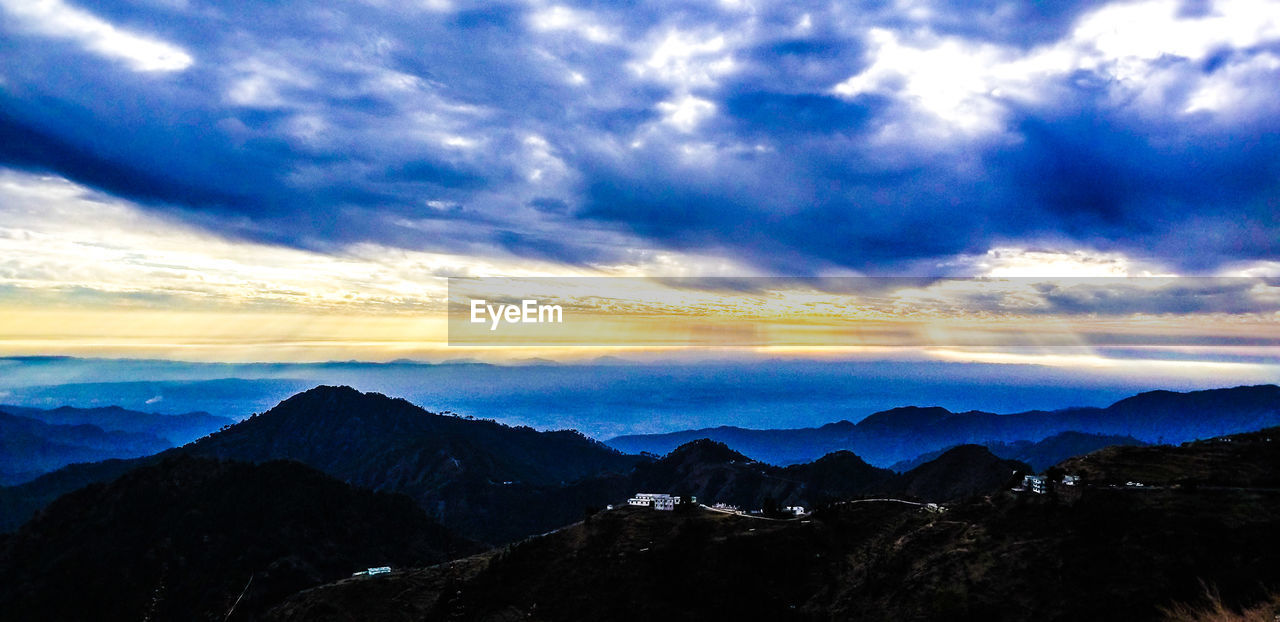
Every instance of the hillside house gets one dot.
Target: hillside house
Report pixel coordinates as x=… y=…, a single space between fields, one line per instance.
x=1035 y=483
x=657 y=501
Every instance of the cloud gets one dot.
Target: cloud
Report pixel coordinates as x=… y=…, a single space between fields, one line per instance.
x=61 y=243
x=57 y=19
x=784 y=138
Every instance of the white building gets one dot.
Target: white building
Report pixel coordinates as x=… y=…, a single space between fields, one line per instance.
x=657 y=501
x=1070 y=480
x=798 y=510
x=1035 y=483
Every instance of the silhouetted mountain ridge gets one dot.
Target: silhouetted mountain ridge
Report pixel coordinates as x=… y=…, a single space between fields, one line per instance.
x=899 y=434
x=466 y=473
x=959 y=472
x=1039 y=455
x=1103 y=554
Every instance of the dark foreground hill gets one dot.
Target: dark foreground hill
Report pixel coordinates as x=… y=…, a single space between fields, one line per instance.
x=892 y=436
x=958 y=473
x=1249 y=460
x=188 y=538
x=1101 y=553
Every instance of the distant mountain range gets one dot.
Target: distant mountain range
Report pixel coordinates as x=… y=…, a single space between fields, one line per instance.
x=30 y=447
x=1105 y=553
x=34 y=441
x=174 y=429
x=902 y=434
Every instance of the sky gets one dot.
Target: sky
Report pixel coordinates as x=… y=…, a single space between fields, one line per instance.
x=293 y=181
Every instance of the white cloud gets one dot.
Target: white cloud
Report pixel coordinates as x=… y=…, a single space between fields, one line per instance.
x=1015 y=262
x=1153 y=29
x=541 y=163
x=1148 y=51
x=1240 y=86
x=957 y=82
x=57 y=236
x=686 y=113
x=581 y=23
x=54 y=18
x=687 y=59
x=1268 y=269
x=262 y=82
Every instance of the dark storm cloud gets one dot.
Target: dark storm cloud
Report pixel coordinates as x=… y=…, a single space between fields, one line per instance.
x=572 y=132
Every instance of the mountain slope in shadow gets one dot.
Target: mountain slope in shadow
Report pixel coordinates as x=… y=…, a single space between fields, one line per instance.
x=1105 y=553
x=180 y=540
x=960 y=472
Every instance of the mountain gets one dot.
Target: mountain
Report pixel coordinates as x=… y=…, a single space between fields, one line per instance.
x=1104 y=554
x=780 y=446
x=458 y=469
x=891 y=436
x=175 y=429
x=191 y=539
x=469 y=474
x=461 y=476
x=1249 y=460
x=714 y=473
x=29 y=447
x=960 y=472
x=496 y=483
x=1039 y=455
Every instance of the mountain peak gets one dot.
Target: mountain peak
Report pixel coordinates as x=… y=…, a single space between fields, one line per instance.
x=841 y=456
x=959 y=472
x=907 y=415
x=330 y=393
x=968 y=453
x=704 y=450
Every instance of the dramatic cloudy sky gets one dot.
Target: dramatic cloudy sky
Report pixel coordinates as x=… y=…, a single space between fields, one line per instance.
x=342 y=154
